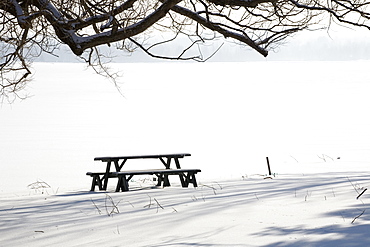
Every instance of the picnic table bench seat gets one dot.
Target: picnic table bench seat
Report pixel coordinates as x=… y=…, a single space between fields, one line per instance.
x=187 y=176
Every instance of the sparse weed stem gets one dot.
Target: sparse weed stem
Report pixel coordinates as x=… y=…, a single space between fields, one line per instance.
x=150 y=202
x=118 y=232
x=144 y=181
x=204 y=197
x=308 y=194
x=344 y=220
x=360 y=191
x=358 y=188
x=158 y=204
x=40 y=186
x=153 y=204
x=255 y=194
x=294 y=158
x=324 y=157
x=214 y=189
x=211 y=187
x=130 y=204
x=219 y=185
x=194 y=198
x=355 y=187
x=97 y=208
x=110 y=206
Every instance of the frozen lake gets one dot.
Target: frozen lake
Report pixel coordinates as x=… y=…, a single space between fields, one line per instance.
x=229 y=116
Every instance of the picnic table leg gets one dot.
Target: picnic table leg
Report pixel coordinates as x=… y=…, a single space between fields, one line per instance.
x=166 y=181
x=94 y=183
x=118 y=166
x=183 y=180
x=181 y=176
x=122 y=183
x=163 y=178
x=96 y=180
x=190 y=178
x=106 y=176
x=168 y=163
x=160 y=179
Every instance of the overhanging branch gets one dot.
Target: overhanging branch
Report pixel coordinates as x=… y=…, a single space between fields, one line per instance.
x=227 y=34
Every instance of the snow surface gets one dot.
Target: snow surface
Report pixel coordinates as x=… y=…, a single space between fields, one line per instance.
x=287 y=210
x=310 y=118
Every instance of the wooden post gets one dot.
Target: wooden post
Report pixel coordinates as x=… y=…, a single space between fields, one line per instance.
x=268 y=166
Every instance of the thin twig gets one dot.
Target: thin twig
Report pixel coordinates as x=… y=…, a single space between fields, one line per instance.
x=358 y=216
x=115 y=209
x=219 y=185
x=256 y=196
x=353 y=185
x=96 y=206
x=158 y=205
x=214 y=189
x=150 y=202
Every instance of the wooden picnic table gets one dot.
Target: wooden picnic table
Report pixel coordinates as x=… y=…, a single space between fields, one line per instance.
x=101 y=179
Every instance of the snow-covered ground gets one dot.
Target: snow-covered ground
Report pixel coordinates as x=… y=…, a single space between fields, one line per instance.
x=287 y=210
x=310 y=118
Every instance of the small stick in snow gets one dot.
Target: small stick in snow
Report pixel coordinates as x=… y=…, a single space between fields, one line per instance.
x=358 y=216
x=342 y=217
x=219 y=185
x=256 y=196
x=268 y=166
x=361 y=193
x=294 y=158
x=307 y=195
x=214 y=189
x=150 y=202
x=158 y=204
x=130 y=204
x=95 y=206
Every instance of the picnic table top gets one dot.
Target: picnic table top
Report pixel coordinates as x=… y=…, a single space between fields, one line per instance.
x=154 y=156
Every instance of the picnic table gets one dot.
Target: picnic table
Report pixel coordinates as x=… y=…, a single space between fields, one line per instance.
x=100 y=179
